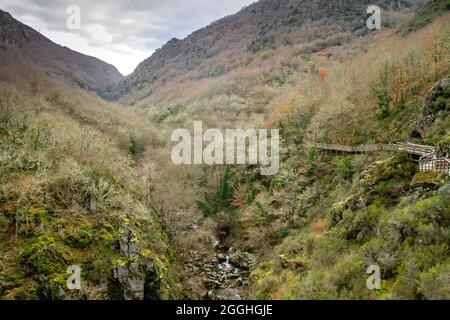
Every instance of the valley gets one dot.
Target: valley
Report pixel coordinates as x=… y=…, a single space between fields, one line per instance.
x=87 y=175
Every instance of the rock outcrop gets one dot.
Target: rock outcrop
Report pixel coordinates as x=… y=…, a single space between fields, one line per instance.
x=135 y=277
x=436 y=101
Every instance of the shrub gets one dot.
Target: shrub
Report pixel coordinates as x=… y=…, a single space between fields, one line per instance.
x=344 y=169
x=222 y=196
x=434 y=284
x=205 y=207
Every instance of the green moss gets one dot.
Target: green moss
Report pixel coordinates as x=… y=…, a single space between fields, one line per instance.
x=25 y=290
x=158 y=284
x=263 y=279
x=45 y=256
x=387 y=179
x=428 y=179
x=80 y=236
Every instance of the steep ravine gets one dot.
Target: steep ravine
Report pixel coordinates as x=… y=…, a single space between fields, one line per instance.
x=217 y=273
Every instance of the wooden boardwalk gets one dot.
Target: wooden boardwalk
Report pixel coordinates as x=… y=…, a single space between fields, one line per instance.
x=411 y=148
x=428 y=159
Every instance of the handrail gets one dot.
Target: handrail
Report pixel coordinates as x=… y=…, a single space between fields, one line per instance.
x=428 y=160
x=436 y=165
x=409 y=147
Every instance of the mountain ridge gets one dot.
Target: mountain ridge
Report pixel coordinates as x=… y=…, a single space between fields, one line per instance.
x=35 y=49
x=264 y=25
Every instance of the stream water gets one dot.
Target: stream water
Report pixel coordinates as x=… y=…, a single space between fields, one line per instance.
x=221 y=278
x=226 y=265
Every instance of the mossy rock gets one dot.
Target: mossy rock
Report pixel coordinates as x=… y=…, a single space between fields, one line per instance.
x=399 y=167
x=44 y=256
x=378 y=171
x=27 y=289
x=294 y=264
x=80 y=236
x=428 y=180
x=354 y=202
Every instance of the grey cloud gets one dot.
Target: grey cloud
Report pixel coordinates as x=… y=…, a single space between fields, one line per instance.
x=138 y=24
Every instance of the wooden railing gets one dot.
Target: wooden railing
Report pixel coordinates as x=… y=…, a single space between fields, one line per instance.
x=428 y=160
x=437 y=165
x=416 y=149
x=401 y=146
x=345 y=148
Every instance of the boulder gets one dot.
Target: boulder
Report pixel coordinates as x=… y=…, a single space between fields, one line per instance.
x=240 y=259
x=354 y=202
x=428 y=180
x=228 y=294
x=221 y=257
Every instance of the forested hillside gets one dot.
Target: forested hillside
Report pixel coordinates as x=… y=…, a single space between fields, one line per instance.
x=70 y=195
x=90 y=182
x=261 y=31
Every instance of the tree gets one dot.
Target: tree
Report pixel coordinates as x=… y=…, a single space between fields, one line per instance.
x=223 y=191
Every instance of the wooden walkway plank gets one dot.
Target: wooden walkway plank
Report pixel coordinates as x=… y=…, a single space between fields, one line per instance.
x=428 y=159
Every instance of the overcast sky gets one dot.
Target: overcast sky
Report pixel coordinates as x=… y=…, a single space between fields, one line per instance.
x=120 y=32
